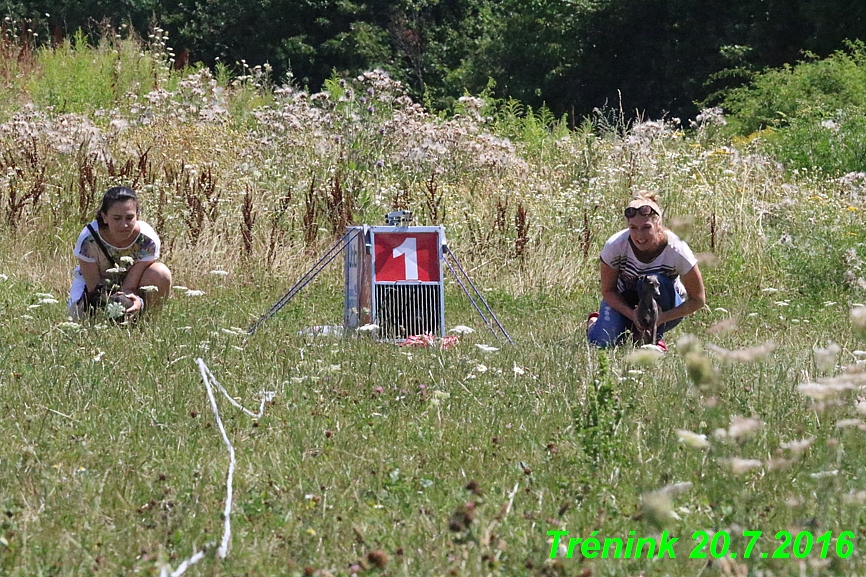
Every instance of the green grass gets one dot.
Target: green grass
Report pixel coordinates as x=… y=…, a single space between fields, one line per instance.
x=451 y=462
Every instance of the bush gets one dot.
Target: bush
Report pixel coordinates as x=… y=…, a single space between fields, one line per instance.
x=815 y=109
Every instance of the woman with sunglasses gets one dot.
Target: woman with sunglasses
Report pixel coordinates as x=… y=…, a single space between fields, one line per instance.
x=646 y=247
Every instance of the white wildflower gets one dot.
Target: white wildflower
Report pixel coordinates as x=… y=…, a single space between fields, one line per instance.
x=439 y=396
x=115 y=310
x=693 y=440
x=98 y=357
x=194 y=293
x=116 y=270
x=846 y=423
x=645 y=356
x=825 y=358
x=481 y=368
x=149 y=288
x=743 y=428
x=180 y=288
x=48 y=301
x=486 y=348
x=518 y=371
x=219 y=273
x=461 y=330
x=831 y=386
x=746 y=355
x=739 y=466
x=127 y=260
x=70 y=325
x=798 y=447
x=3 y=277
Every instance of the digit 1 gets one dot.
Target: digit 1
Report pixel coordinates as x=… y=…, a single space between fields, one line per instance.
x=825 y=540
x=408 y=250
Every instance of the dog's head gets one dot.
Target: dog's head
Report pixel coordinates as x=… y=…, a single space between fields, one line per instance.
x=649 y=284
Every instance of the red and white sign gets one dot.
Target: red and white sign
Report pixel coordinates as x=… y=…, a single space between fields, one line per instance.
x=401 y=256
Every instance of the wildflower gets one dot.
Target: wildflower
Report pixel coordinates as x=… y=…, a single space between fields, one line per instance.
x=701 y=370
x=461 y=330
x=98 y=357
x=657 y=508
x=219 y=273
x=486 y=348
x=116 y=270
x=48 y=301
x=854 y=497
x=194 y=293
x=798 y=447
x=825 y=358
x=3 y=277
x=693 y=440
x=743 y=428
x=644 y=356
x=115 y=310
x=127 y=260
x=518 y=371
x=739 y=466
x=819 y=392
x=180 y=288
x=723 y=326
x=149 y=288
x=481 y=368
x=746 y=355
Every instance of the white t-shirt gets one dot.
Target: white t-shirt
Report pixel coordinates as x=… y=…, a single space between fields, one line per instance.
x=675 y=260
x=144 y=247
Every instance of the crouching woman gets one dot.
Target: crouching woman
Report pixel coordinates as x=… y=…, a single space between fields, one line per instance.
x=118 y=260
x=646 y=247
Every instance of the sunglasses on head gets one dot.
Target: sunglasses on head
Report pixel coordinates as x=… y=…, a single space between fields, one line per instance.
x=645 y=210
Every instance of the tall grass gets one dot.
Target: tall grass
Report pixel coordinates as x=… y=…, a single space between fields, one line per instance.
x=447 y=461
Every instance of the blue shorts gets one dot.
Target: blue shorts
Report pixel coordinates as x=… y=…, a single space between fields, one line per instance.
x=611 y=327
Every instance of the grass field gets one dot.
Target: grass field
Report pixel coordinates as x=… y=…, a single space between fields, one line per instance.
x=374 y=459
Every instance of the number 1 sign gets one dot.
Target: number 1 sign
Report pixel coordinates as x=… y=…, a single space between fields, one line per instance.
x=407 y=295
x=402 y=256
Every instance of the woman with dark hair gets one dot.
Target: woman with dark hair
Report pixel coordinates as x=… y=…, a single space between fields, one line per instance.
x=118 y=259
x=646 y=247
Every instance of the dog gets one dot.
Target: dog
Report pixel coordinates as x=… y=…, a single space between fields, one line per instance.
x=648 y=290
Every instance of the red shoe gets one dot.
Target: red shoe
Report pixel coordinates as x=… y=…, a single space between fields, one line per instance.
x=590 y=321
x=662 y=346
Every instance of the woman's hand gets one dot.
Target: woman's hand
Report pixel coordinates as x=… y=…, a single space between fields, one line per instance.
x=137 y=303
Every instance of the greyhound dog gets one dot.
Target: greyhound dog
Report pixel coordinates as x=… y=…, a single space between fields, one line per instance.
x=647 y=309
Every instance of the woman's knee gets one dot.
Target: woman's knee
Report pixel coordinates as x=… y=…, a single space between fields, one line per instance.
x=156 y=274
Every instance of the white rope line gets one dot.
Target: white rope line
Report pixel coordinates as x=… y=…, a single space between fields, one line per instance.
x=266 y=396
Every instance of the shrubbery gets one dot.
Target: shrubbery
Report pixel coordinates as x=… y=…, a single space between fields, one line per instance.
x=815 y=110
